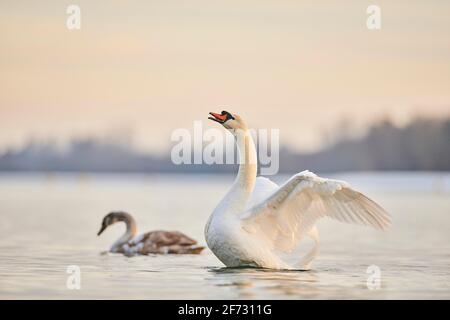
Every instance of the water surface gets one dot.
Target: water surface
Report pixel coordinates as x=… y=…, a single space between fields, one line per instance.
x=50 y=221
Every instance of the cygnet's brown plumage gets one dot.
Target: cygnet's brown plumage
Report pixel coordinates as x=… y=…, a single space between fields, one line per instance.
x=153 y=242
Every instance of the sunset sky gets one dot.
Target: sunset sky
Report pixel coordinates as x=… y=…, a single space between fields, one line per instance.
x=153 y=66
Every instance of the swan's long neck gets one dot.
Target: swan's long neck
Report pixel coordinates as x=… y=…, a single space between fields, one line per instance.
x=129 y=234
x=236 y=199
x=248 y=162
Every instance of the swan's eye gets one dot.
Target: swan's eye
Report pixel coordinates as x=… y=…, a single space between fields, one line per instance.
x=228 y=116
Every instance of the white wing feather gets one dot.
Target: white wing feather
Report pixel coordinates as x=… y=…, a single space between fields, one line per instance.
x=287 y=215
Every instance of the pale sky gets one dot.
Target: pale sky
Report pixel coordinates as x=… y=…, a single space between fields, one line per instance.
x=154 y=66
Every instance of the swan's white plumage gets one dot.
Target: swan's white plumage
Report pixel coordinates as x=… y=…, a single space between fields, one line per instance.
x=257 y=221
x=264 y=188
x=287 y=215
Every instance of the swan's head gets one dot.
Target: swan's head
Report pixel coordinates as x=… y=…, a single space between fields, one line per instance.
x=112 y=218
x=230 y=121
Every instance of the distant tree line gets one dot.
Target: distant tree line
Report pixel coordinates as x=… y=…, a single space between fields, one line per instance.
x=423 y=144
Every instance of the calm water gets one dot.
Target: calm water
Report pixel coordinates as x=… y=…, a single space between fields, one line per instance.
x=49 y=222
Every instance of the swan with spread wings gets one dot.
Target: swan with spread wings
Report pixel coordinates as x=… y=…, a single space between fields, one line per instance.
x=258 y=223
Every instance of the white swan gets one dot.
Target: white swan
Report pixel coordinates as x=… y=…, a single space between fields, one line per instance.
x=258 y=222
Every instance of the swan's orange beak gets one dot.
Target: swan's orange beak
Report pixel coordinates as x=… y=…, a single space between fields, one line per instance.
x=220 y=118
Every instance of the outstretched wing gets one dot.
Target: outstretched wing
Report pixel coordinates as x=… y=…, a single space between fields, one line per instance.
x=290 y=212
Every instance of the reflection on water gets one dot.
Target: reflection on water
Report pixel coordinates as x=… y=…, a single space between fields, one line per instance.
x=276 y=283
x=50 y=222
